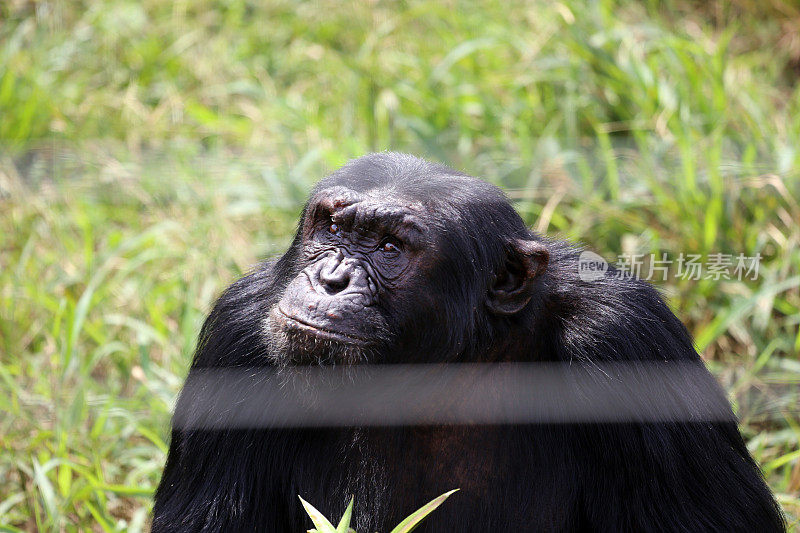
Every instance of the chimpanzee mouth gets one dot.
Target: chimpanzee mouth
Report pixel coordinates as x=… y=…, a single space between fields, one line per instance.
x=318 y=331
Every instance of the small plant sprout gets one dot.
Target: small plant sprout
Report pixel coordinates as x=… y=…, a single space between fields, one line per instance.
x=323 y=525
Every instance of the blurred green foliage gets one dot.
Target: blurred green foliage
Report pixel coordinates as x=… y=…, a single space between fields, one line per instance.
x=151 y=152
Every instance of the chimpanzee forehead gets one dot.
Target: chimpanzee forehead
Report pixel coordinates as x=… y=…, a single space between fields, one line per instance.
x=437 y=195
x=432 y=194
x=372 y=209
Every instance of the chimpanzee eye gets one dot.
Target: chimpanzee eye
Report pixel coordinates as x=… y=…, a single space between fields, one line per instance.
x=334 y=228
x=390 y=247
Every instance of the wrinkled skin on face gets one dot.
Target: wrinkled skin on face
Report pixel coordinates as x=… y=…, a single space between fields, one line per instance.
x=360 y=254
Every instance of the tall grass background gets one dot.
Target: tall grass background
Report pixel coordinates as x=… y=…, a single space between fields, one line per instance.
x=152 y=152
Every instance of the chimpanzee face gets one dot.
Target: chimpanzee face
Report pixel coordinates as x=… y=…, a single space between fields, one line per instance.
x=365 y=273
x=401 y=268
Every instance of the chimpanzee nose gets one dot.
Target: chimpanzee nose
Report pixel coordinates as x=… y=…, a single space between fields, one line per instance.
x=335 y=274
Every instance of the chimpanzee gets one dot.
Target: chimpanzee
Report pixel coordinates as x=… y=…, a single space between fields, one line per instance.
x=399 y=261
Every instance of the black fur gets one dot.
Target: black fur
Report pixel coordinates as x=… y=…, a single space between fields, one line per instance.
x=680 y=475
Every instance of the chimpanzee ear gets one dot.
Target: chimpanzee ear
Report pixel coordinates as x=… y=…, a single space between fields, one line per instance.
x=514 y=284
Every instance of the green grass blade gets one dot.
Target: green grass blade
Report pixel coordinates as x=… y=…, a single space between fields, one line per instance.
x=736 y=312
x=413 y=520
x=320 y=522
x=344 y=523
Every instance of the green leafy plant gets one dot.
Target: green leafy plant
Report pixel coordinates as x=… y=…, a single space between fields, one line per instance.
x=323 y=525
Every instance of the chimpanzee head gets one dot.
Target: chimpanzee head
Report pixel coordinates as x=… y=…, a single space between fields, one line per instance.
x=400 y=260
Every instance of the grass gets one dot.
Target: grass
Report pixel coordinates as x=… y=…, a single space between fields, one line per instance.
x=152 y=152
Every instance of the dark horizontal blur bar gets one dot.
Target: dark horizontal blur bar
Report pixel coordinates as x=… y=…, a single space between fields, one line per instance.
x=395 y=395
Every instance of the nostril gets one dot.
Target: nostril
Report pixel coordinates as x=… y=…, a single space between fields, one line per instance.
x=336 y=274
x=335 y=284
x=335 y=280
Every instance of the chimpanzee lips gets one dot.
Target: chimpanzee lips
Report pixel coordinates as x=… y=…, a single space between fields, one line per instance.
x=316 y=330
